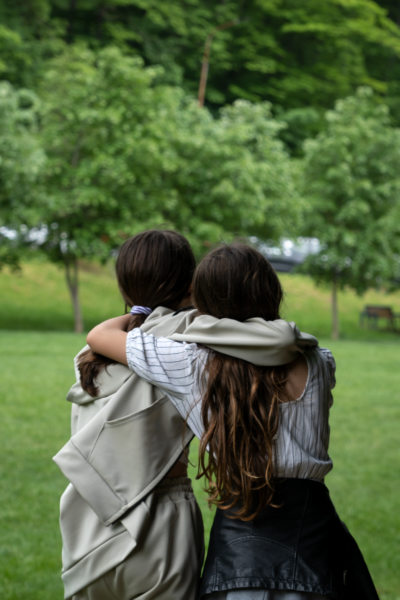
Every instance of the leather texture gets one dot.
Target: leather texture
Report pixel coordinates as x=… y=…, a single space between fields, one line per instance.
x=301 y=546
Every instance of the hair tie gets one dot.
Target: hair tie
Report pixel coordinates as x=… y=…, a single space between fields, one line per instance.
x=140 y=310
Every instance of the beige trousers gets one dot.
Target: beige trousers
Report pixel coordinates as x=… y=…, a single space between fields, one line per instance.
x=167 y=562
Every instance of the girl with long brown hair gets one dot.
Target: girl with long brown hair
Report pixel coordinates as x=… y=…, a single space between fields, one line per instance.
x=264 y=435
x=130 y=523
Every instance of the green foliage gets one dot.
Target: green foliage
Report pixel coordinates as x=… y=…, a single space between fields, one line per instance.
x=28 y=35
x=21 y=163
x=14 y=58
x=126 y=148
x=353 y=184
x=225 y=176
x=127 y=152
x=21 y=157
x=311 y=52
x=92 y=105
x=10 y=253
x=293 y=54
x=28 y=17
x=281 y=51
x=301 y=124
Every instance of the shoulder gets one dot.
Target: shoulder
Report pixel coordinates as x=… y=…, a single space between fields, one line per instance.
x=163 y=322
x=327 y=357
x=322 y=364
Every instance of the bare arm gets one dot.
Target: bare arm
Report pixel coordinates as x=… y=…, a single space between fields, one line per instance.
x=109 y=338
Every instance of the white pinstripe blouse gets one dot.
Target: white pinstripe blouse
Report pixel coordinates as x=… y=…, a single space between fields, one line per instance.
x=302 y=441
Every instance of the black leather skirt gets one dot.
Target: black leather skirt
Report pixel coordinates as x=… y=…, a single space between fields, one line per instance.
x=301 y=546
x=263 y=595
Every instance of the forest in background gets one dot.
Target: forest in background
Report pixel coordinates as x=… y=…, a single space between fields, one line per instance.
x=103 y=133
x=296 y=55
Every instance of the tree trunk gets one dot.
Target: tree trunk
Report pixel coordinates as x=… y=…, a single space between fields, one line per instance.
x=72 y=277
x=335 y=313
x=204 y=70
x=206 y=59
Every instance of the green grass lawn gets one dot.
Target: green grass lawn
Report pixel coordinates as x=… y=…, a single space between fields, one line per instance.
x=36 y=371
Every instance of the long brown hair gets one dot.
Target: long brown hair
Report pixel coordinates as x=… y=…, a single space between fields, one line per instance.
x=154 y=268
x=240 y=406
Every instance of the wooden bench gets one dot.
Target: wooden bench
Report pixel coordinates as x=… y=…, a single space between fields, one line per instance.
x=374 y=315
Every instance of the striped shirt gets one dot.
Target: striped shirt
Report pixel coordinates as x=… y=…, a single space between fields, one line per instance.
x=301 y=445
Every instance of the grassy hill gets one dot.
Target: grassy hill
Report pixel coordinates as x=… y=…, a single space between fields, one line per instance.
x=36 y=298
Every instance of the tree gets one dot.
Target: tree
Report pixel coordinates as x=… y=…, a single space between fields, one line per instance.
x=94 y=107
x=21 y=163
x=283 y=51
x=300 y=57
x=351 y=179
x=231 y=175
x=125 y=152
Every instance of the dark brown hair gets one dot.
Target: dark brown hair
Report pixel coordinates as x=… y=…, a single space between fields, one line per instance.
x=154 y=268
x=240 y=407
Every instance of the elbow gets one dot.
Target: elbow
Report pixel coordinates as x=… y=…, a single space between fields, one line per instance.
x=91 y=339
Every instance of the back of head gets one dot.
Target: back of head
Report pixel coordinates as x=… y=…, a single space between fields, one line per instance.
x=240 y=405
x=237 y=282
x=155 y=268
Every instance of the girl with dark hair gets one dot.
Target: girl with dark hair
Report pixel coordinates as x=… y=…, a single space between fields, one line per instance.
x=153 y=268
x=264 y=435
x=130 y=524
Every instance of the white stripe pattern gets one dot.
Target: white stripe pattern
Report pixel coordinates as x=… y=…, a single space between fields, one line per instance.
x=303 y=437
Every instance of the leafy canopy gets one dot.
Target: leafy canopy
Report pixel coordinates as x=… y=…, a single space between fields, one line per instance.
x=352 y=180
x=126 y=152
